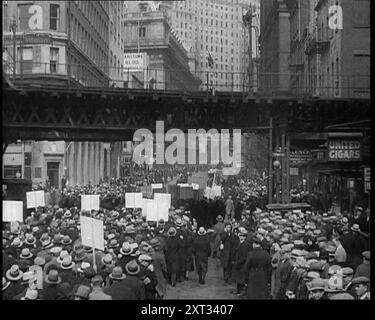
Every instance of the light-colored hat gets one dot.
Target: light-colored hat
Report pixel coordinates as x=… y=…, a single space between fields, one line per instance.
x=63 y=254
x=117 y=273
x=67 y=263
x=14 y=273
x=201 y=231
x=26 y=254
x=144 y=257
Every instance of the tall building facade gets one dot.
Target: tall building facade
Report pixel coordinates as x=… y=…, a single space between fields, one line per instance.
x=58 y=41
x=117 y=11
x=166 y=64
x=216 y=28
x=274 y=47
x=326 y=61
x=342 y=55
x=61 y=42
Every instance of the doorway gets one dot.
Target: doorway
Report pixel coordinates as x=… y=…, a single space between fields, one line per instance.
x=53 y=173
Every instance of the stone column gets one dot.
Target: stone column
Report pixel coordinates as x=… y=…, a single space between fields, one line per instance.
x=78 y=162
x=101 y=160
x=85 y=167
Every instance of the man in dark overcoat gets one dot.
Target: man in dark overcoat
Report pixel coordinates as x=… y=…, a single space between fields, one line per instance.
x=172 y=249
x=202 y=251
x=241 y=252
x=258 y=272
x=228 y=244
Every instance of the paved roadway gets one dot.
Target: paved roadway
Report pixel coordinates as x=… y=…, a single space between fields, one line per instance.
x=215 y=287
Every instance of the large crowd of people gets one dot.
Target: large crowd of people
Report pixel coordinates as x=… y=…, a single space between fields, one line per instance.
x=264 y=254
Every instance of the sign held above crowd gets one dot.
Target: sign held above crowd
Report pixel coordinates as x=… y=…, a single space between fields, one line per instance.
x=89 y=202
x=12 y=211
x=35 y=199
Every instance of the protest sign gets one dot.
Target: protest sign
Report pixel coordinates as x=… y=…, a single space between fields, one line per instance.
x=92 y=232
x=133 y=200
x=89 y=202
x=163 y=203
x=12 y=211
x=156 y=186
x=35 y=199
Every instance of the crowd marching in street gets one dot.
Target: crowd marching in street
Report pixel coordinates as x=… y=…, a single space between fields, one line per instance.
x=264 y=254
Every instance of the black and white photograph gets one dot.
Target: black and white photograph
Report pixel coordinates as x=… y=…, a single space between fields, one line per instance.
x=210 y=151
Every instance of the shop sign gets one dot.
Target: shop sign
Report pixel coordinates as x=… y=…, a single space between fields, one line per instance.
x=344 y=150
x=300 y=156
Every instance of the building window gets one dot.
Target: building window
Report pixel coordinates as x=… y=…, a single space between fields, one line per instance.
x=54 y=16
x=11 y=171
x=38 y=172
x=142 y=32
x=54 y=59
x=26 y=60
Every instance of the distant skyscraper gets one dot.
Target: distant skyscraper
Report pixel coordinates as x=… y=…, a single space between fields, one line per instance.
x=215 y=27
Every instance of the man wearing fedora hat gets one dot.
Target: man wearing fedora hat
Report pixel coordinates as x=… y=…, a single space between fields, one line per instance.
x=14 y=275
x=361 y=288
x=316 y=289
x=147 y=275
x=97 y=292
x=202 y=250
x=172 y=255
x=258 y=272
x=241 y=252
x=364 y=269
x=117 y=290
x=359 y=245
x=51 y=289
x=132 y=280
x=218 y=231
x=66 y=271
x=160 y=267
x=228 y=244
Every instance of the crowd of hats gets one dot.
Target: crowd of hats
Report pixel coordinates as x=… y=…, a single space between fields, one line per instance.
x=302 y=238
x=54 y=233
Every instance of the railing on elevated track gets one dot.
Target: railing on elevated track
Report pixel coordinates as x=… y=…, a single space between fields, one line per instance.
x=264 y=84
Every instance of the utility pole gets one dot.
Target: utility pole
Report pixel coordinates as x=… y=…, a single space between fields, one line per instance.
x=14 y=28
x=270 y=171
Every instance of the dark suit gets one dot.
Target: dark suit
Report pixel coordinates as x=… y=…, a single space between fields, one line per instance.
x=202 y=251
x=258 y=274
x=230 y=242
x=118 y=291
x=172 y=257
x=136 y=286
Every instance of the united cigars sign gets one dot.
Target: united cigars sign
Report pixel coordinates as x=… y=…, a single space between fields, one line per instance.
x=344 y=150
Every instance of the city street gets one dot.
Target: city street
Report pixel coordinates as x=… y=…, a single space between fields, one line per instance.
x=215 y=287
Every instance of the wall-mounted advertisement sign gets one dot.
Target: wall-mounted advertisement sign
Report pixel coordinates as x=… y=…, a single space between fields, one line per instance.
x=344 y=150
x=299 y=156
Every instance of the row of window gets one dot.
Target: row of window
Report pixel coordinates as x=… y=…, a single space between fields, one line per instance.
x=31 y=58
x=91 y=12
x=87 y=43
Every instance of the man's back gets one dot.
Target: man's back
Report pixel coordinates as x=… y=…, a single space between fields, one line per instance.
x=118 y=291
